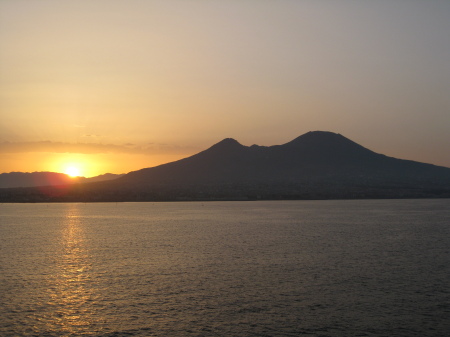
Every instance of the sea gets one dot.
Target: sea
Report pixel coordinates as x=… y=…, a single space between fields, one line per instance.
x=256 y=268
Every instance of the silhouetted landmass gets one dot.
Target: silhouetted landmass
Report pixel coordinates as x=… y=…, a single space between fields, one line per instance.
x=102 y=177
x=316 y=165
x=34 y=179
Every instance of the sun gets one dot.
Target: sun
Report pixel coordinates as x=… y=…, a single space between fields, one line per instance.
x=73 y=165
x=72 y=171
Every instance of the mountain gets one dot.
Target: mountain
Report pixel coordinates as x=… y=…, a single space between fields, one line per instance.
x=34 y=179
x=316 y=165
x=314 y=156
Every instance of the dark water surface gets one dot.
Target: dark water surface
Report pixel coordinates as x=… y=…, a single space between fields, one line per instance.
x=285 y=268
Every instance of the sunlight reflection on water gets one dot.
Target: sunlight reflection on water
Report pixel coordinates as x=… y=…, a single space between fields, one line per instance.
x=71 y=287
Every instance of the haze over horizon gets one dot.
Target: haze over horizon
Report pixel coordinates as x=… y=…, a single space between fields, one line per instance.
x=116 y=86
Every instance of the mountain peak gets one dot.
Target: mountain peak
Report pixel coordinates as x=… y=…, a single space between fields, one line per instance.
x=317 y=136
x=320 y=138
x=328 y=144
x=225 y=146
x=227 y=143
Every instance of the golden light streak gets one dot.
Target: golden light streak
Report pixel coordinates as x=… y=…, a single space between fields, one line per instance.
x=71 y=289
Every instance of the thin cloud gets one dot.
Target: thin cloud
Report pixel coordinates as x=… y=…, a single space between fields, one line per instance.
x=92 y=148
x=92 y=136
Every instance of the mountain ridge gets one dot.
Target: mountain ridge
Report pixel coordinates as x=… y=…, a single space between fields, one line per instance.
x=324 y=150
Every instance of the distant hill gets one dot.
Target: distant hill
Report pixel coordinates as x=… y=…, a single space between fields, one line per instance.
x=316 y=165
x=34 y=179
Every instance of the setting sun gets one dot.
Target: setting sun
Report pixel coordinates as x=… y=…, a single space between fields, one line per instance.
x=73 y=171
x=74 y=164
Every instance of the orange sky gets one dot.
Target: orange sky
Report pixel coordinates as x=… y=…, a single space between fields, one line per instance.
x=115 y=86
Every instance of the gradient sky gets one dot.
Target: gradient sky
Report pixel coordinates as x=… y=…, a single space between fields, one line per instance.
x=115 y=86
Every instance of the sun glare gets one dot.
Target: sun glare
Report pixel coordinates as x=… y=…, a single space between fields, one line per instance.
x=73 y=172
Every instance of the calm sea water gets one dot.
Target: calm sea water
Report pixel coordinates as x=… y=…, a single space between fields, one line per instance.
x=285 y=268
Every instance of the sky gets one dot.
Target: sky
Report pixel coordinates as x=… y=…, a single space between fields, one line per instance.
x=119 y=85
